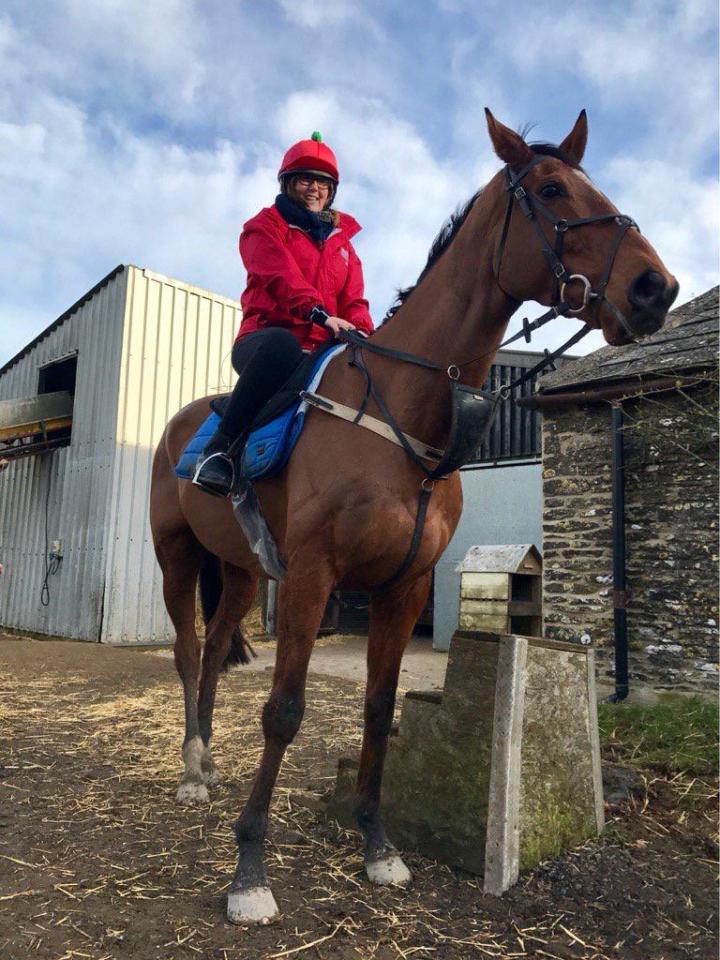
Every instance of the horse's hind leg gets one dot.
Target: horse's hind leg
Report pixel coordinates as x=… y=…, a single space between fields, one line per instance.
x=179 y=555
x=392 y=620
x=224 y=644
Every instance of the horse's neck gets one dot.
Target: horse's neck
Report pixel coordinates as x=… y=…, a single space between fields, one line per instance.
x=458 y=312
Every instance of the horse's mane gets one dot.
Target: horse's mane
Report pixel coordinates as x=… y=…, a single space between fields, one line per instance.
x=450 y=228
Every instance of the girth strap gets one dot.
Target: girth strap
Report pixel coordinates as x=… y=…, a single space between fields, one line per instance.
x=425 y=493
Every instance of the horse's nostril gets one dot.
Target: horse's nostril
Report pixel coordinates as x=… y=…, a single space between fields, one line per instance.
x=648 y=290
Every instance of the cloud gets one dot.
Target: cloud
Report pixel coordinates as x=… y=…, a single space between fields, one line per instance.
x=318 y=15
x=678 y=211
x=655 y=60
x=148 y=132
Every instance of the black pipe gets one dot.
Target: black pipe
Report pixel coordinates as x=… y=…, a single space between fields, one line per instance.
x=622 y=685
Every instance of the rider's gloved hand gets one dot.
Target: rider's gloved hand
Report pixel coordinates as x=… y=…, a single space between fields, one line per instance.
x=319 y=315
x=336 y=324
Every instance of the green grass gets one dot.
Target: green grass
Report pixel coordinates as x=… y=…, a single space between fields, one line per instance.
x=677 y=735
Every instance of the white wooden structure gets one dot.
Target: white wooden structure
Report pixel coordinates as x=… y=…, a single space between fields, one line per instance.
x=143 y=345
x=501 y=589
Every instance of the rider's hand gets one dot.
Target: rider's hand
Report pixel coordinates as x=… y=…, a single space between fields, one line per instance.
x=336 y=324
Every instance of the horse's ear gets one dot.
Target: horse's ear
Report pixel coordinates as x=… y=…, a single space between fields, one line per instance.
x=575 y=142
x=509 y=146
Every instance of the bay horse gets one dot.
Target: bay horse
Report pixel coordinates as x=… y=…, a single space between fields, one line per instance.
x=343 y=512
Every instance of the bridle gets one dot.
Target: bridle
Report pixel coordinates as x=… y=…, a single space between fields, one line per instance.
x=533 y=208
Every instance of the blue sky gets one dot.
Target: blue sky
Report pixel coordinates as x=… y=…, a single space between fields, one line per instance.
x=148 y=131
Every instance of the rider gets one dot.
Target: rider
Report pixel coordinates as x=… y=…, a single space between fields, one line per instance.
x=304 y=285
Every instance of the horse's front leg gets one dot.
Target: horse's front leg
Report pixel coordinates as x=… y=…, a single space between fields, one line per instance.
x=302 y=601
x=392 y=619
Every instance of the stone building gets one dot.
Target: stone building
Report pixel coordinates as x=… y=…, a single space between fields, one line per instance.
x=666 y=388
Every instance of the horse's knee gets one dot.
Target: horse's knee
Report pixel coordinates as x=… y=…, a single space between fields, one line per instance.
x=186 y=654
x=282 y=716
x=379 y=710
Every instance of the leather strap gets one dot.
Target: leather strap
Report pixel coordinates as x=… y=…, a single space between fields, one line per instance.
x=358 y=340
x=382 y=429
x=425 y=493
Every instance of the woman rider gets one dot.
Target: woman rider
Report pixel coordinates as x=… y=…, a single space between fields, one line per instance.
x=304 y=285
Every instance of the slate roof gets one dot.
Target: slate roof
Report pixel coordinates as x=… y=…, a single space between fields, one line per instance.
x=688 y=341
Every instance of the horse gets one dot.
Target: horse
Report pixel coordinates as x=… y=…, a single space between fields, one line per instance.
x=343 y=512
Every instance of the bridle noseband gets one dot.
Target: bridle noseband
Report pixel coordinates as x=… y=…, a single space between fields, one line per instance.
x=532 y=207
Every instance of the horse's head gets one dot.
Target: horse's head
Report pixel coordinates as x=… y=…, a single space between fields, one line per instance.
x=566 y=241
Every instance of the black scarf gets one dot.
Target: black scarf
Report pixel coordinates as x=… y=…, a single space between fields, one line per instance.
x=318 y=226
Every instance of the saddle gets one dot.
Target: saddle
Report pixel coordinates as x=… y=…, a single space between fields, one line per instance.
x=275 y=430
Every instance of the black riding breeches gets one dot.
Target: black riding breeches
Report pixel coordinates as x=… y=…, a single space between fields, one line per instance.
x=264 y=361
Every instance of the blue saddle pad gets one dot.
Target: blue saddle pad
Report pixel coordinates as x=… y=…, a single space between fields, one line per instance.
x=269 y=446
x=186 y=464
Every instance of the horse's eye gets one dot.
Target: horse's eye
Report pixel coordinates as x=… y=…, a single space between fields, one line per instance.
x=551 y=190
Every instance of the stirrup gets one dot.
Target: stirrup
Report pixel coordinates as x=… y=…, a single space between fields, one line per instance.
x=198 y=481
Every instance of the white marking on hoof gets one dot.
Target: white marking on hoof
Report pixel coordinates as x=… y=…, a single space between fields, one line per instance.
x=388 y=871
x=256 y=905
x=190 y=792
x=192 y=789
x=212 y=777
x=193 y=752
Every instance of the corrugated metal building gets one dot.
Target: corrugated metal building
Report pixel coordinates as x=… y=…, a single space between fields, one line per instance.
x=140 y=346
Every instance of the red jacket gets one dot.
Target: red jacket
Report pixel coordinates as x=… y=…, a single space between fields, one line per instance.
x=288 y=275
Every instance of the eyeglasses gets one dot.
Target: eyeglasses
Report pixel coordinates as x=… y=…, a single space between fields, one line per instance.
x=305 y=180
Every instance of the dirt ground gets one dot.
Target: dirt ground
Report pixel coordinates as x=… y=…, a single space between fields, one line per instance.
x=98 y=862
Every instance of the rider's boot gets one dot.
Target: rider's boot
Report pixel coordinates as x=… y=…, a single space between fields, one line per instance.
x=215 y=472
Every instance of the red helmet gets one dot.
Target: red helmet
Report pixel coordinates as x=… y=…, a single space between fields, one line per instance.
x=311 y=155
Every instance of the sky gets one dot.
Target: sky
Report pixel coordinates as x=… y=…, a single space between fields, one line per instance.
x=148 y=131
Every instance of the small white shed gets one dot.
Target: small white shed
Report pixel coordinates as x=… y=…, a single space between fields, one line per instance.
x=128 y=355
x=501 y=589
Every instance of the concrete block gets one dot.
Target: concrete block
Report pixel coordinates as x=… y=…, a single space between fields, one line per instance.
x=502 y=769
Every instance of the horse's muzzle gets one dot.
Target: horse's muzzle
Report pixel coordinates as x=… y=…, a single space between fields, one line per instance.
x=651 y=297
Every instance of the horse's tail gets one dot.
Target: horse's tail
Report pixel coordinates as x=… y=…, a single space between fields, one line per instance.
x=211 y=588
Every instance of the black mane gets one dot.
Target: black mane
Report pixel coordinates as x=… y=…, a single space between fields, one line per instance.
x=452 y=225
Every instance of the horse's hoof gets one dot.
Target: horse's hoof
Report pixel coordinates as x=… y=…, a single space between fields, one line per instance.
x=388 y=871
x=191 y=792
x=212 y=777
x=256 y=905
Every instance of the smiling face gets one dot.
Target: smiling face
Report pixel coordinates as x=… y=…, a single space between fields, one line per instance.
x=311 y=190
x=639 y=290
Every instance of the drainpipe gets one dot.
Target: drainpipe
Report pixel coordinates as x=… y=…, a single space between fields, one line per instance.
x=619 y=587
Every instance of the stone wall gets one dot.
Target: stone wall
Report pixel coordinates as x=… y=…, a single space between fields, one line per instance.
x=671 y=493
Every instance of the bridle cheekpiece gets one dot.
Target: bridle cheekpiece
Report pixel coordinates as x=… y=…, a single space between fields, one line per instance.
x=533 y=208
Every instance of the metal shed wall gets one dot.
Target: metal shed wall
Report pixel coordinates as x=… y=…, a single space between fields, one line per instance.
x=73 y=483
x=176 y=347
